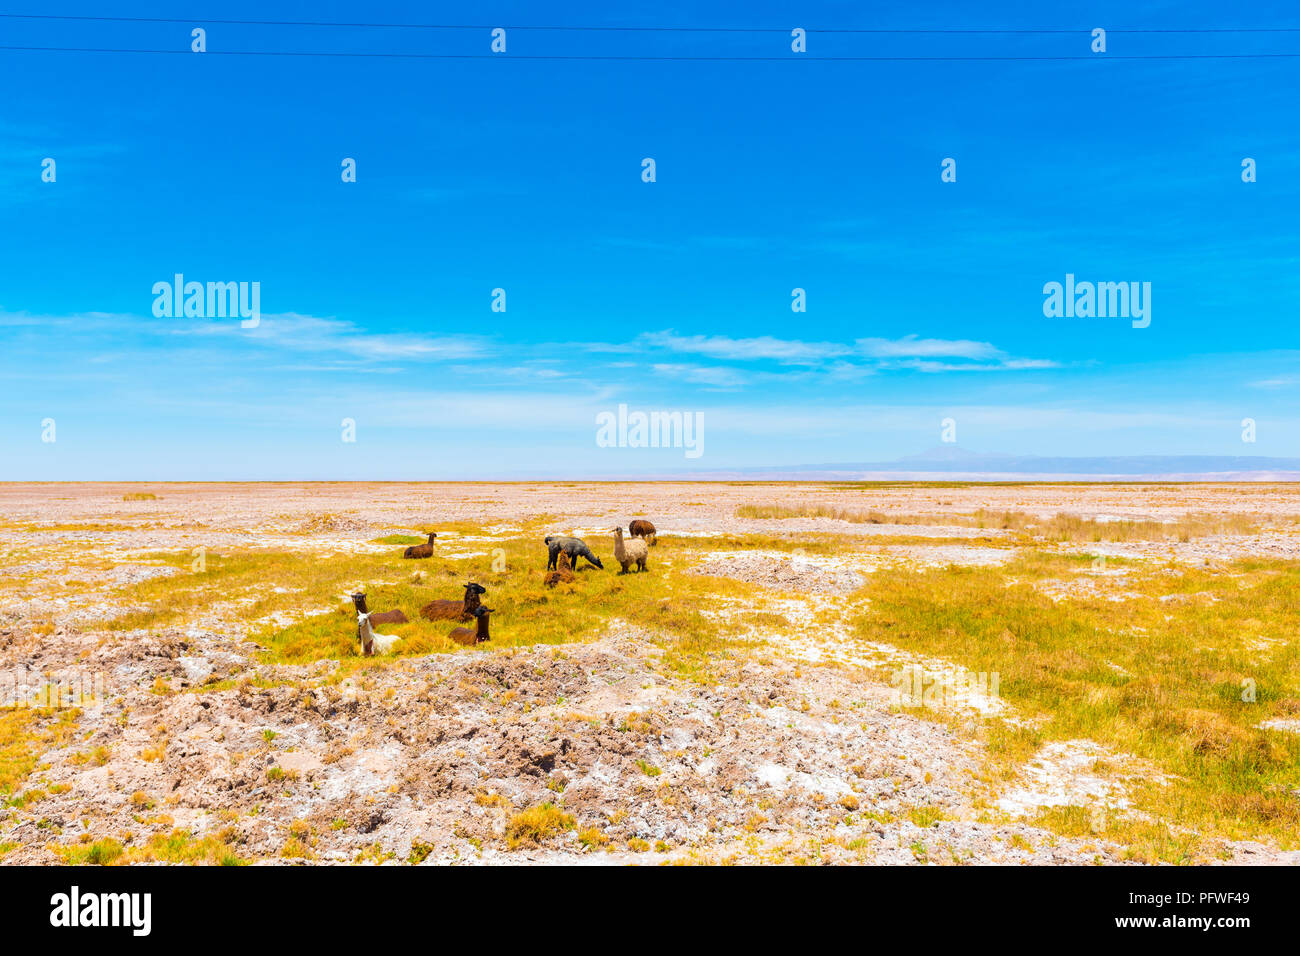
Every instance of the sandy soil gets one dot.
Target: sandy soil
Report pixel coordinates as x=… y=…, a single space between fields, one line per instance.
x=801 y=753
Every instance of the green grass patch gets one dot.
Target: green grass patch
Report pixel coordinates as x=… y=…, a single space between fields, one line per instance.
x=100 y=853
x=1161 y=681
x=851 y=515
x=25 y=734
x=664 y=600
x=177 y=847
x=1073 y=528
x=1060 y=527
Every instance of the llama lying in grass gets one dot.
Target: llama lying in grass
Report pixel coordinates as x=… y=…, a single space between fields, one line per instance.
x=455 y=610
x=371 y=643
x=562 y=574
x=632 y=551
x=476 y=635
x=574 y=547
x=394 y=616
x=640 y=528
x=421 y=550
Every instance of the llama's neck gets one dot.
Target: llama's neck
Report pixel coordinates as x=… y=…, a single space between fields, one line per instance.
x=364 y=631
x=482 y=634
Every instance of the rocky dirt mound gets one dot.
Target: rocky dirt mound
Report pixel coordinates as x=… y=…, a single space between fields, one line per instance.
x=435 y=758
x=781 y=572
x=324 y=523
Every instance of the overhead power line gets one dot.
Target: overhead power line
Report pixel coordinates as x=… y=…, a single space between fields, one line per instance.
x=791 y=58
x=639 y=29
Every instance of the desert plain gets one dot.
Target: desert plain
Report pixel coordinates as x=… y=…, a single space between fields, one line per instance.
x=826 y=672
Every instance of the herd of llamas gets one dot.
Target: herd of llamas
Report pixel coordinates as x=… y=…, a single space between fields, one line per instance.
x=563 y=553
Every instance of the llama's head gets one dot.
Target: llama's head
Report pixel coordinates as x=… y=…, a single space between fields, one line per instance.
x=482 y=611
x=359 y=601
x=472 y=591
x=432 y=535
x=547 y=539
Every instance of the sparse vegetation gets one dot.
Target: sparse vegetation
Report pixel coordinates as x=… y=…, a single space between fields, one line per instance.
x=401 y=539
x=26 y=733
x=852 y=515
x=1069 y=527
x=1059 y=527
x=518 y=596
x=178 y=846
x=1130 y=675
x=536 y=825
x=1167 y=666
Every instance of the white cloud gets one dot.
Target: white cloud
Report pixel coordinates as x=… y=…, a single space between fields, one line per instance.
x=308 y=333
x=1281 y=381
x=912 y=347
x=718 y=376
x=907 y=352
x=790 y=351
x=927 y=365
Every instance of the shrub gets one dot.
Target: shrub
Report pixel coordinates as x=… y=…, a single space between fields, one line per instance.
x=537 y=824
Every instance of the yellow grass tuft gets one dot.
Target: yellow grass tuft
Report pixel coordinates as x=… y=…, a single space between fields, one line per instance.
x=536 y=825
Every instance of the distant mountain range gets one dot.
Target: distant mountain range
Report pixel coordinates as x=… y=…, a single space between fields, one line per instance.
x=948 y=462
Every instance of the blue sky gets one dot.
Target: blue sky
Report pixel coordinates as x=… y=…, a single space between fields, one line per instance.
x=924 y=298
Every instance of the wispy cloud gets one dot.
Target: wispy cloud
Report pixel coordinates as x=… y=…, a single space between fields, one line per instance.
x=931 y=366
x=911 y=346
x=791 y=351
x=718 y=376
x=297 y=342
x=1281 y=381
x=308 y=333
x=910 y=352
